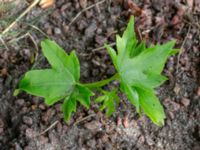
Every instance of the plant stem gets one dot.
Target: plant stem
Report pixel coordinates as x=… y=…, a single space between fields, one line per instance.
x=101 y=83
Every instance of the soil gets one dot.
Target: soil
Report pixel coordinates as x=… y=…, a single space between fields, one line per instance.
x=26 y=123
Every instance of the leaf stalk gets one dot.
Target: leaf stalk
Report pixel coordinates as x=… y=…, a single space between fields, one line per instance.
x=101 y=83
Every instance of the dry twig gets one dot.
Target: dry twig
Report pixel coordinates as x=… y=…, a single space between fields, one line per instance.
x=100 y=48
x=19 y=18
x=49 y=128
x=83 y=119
x=181 y=49
x=82 y=11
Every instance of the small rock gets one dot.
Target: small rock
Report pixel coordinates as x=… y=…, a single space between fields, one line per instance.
x=4 y=72
x=43 y=140
x=30 y=133
x=177 y=89
x=48 y=115
x=91 y=143
x=57 y=31
x=175 y=106
x=1 y=123
x=171 y=115
x=27 y=53
x=1 y=130
x=119 y=121
x=185 y=102
x=83 y=3
x=198 y=91
x=94 y=125
x=42 y=107
x=141 y=139
x=100 y=39
x=18 y=147
x=82 y=24
x=65 y=6
x=89 y=14
x=33 y=107
x=65 y=28
x=20 y=102
x=99 y=31
x=49 y=31
x=90 y=31
x=149 y=141
x=27 y=120
x=125 y=122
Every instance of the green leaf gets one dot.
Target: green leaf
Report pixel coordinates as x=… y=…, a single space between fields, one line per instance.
x=137 y=49
x=84 y=95
x=140 y=68
x=151 y=106
x=109 y=101
x=59 y=59
x=60 y=82
x=127 y=42
x=131 y=94
x=112 y=54
x=68 y=107
x=48 y=83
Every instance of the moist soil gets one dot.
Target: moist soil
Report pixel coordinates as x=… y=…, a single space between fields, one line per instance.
x=26 y=123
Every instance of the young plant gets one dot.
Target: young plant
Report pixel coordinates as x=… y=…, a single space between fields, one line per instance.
x=138 y=69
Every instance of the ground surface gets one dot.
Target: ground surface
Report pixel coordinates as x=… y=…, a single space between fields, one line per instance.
x=24 y=119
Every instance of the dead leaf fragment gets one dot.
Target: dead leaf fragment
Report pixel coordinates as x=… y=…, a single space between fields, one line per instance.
x=125 y=122
x=46 y=3
x=4 y=72
x=185 y=102
x=134 y=7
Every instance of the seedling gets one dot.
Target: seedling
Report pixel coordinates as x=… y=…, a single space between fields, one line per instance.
x=138 y=70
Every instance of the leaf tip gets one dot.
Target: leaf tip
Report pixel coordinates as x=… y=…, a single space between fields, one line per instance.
x=16 y=92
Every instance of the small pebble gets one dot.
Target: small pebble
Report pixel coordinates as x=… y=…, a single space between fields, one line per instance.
x=20 y=102
x=18 y=147
x=42 y=107
x=65 y=28
x=149 y=141
x=185 y=102
x=27 y=120
x=83 y=3
x=4 y=72
x=198 y=91
x=90 y=31
x=94 y=125
x=119 y=121
x=30 y=133
x=49 y=31
x=57 y=31
x=1 y=130
x=125 y=122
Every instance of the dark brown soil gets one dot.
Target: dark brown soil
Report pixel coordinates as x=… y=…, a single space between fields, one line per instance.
x=24 y=118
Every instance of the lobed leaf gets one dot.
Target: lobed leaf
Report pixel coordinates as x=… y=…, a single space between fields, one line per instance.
x=140 y=71
x=109 y=101
x=151 y=106
x=48 y=83
x=59 y=59
x=68 y=107
x=60 y=82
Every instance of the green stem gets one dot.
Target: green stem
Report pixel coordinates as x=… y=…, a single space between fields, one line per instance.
x=101 y=83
